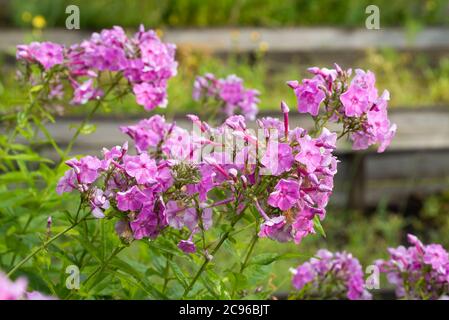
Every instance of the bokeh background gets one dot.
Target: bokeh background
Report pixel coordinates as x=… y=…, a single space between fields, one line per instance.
x=378 y=198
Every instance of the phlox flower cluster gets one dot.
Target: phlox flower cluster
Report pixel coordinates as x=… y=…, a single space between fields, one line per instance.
x=143 y=60
x=330 y=275
x=17 y=290
x=418 y=271
x=229 y=93
x=169 y=182
x=331 y=95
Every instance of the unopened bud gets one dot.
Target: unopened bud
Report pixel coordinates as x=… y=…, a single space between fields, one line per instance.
x=293 y=84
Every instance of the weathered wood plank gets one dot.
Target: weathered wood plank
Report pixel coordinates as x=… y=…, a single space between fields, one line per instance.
x=424 y=129
x=274 y=39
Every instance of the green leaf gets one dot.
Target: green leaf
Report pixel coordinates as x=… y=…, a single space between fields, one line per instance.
x=167 y=246
x=265 y=258
x=183 y=280
x=25 y=157
x=318 y=226
x=48 y=136
x=94 y=252
x=240 y=280
x=88 y=129
x=268 y=258
x=137 y=276
x=36 y=88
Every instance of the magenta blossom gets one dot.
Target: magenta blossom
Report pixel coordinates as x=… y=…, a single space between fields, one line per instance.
x=330 y=276
x=150 y=221
x=229 y=92
x=16 y=290
x=141 y=167
x=285 y=195
x=309 y=154
x=355 y=101
x=67 y=183
x=10 y=290
x=86 y=169
x=309 y=96
x=354 y=104
x=48 y=54
x=132 y=199
x=148 y=133
x=85 y=92
x=418 y=271
x=98 y=203
x=280 y=161
x=143 y=60
x=187 y=246
x=150 y=96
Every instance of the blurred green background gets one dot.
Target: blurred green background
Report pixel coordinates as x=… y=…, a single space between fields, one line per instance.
x=200 y=13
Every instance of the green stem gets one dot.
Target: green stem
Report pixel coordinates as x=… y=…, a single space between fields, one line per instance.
x=206 y=260
x=43 y=246
x=103 y=266
x=13 y=260
x=166 y=272
x=78 y=131
x=88 y=118
x=249 y=252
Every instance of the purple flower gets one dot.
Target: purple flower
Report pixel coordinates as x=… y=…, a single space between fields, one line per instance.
x=359 y=109
x=85 y=92
x=285 y=194
x=114 y=154
x=150 y=221
x=144 y=60
x=205 y=86
x=132 y=199
x=271 y=126
x=86 y=168
x=98 y=202
x=303 y=275
x=327 y=139
x=276 y=228
x=377 y=128
x=355 y=101
x=176 y=214
x=48 y=54
x=419 y=271
x=67 y=183
x=228 y=92
x=309 y=96
x=148 y=132
x=10 y=290
x=157 y=57
x=187 y=246
x=231 y=89
x=366 y=81
x=309 y=154
x=303 y=225
x=331 y=276
x=145 y=225
x=141 y=167
x=150 y=96
x=16 y=290
x=436 y=256
x=280 y=161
